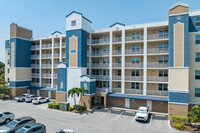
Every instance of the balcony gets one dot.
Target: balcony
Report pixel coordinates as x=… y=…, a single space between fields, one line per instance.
x=99 y=65
x=134 y=78
x=101 y=90
x=56 y=45
x=35 y=56
x=158 y=51
x=56 y=55
x=132 y=39
x=116 y=65
x=130 y=52
x=46 y=85
x=116 y=77
x=100 y=41
x=63 y=55
x=157 y=36
x=55 y=65
x=55 y=75
x=101 y=77
x=35 y=75
x=157 y=65
x=117 y=40
x=116 y=52
x=46 y=65
x=157 y=93
x=46 y=46
x=46 y=75
x=35 y=47
x=99 y=53
x=134 y=65
x=116 y=90
x=157 y=79
x=133 y=91
x=35 y=65
x=54 y=85
x=63 y=44
x=46 y=55
x=35 y=84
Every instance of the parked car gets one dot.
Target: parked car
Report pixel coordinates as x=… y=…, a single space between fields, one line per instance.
x=21 y=98
x=142 y=114
x=30 y=98
x=65 y=131
x=33 y=128
x=16 y=124
x=6 y=117
x=39 y=100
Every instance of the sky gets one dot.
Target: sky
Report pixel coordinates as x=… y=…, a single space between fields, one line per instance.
x=46 y=16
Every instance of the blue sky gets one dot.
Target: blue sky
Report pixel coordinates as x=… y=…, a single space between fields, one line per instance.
x=46 y=16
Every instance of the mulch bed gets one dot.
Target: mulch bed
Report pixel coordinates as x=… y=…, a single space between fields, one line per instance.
x=73 y=111
x=187 y=128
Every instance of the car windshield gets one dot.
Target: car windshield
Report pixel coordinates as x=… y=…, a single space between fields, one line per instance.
x=36 y=98
x=142 y=111
x=21 y=130
x=12 y=124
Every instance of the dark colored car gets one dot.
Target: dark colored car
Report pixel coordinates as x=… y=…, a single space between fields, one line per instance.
x=33 y=128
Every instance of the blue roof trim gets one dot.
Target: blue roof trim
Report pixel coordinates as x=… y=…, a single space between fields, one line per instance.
x=79 y=14
x=117 y=23
x=85 y=75
x=41 y=88
x=141 y=97
x=62 y=63
x=56 y=32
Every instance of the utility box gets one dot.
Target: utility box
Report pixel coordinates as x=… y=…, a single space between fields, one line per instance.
x=64 y=106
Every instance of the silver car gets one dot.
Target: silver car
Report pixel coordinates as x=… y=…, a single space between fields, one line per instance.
x=30 y=98
x=16 y=124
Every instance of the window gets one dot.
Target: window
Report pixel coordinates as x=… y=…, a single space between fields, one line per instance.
x=163 y=60
x=163 y=73
x=108 y=72
x=119 y=37
x=8 y=52
x=197 y=57
x=8 y=80
x=61 y=85
x=119 y=60
x=85 y=85
x=163 y=34
x=104 y=60
x=197 y=74
x=8 y=61
x=104 y=84
x=135 y=60
x=104 y=38
x=108 y=60
x=119 y=49
x=8 y=70
x=119 y=72
x=163 y=47
x=73 y=23
x=197 y=92
x=163 y=87
x=135 y=73
x=197 y=22
x=104 y=72
x=119 y=84
x=104 y=49
x=135 y=36
x=197 y=39
x=135 y=48
x=135 y=86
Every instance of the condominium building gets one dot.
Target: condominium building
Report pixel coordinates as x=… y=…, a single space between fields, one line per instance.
x=152 y=64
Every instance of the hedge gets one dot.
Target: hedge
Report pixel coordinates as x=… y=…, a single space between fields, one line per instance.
x=54 y=105
x=180 y=119
x=179 y=126
x=78 y=107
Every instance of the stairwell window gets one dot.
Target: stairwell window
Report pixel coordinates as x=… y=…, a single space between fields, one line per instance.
x=197 y=74
x=119 y=84
x=197 y=57
x=163 y=87
x=197 y=39
x=135 y=48
x=163 y=47
x=119 y=72
x=135 y=60
x=135 y=72
x=73 y=23
x=197 y=92
x=163 y=60
x=197 y=23
x=135 y=86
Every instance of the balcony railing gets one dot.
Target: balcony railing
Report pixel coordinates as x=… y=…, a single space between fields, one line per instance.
x=139 y=51
x=64 y=44
x=157 y=50
x=99 y=53
x=134 y=91
x=157 y=79
x=101 y=90
x=116 y=77
x=46 y=75
x=35 y=47
x=116 y=90
x=157 y=93
x=56 y=45
x=118 y=39
x=46 y=55
x=157 y=36
x=56 y=55
x=54 y=85
x=55 y=75
x=64 y=55
x=130 y=38
x=55 y=64
x=35 y=65
x=134 y=78
x=116 y=65
x=156 y=65
x=116 y=52
x=132 y=65
x=100 y=41
x=35 y=56
x=45 y=85
x=46 y=46
x=46 y=65
x=35 y=84
x=99 y=65
x=101 y=77
x=35 y=75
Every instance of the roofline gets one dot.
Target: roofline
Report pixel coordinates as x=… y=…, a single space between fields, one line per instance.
x=79 y=14
x=117 y=23
x=178 y=4
x=56 y=32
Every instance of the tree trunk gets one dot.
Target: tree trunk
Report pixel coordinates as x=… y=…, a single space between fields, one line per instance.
x=75 y=102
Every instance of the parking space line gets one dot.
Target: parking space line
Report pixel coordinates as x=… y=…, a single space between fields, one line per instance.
x=119 y=115
x=151 y=119
x=133 y=119
x=105 y=113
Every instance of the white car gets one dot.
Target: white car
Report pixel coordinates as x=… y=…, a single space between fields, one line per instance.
x=30 y=98
x=65 y=131
x=21 y=98
x=6 y=117
x=39 y=100
x=142 y=114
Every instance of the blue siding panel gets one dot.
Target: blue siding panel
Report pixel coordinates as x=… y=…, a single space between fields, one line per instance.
x=14 y=84
x=192 y=26
x=91 y=86
x=62 y=77
x=176 y=97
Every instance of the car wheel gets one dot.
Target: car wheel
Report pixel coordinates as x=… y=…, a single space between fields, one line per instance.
x=23 y=100
x=39 y=103
x=7 y=121
x=48 y=100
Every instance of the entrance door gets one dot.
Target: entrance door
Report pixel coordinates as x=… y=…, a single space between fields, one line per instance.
x=149 y=104
x=127 y=103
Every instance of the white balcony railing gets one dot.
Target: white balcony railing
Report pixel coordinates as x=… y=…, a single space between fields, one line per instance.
x=35 y=75
x=157 y=79
x=55 y=75
x=118 y=39
x=64 y=44
x=35 y=84
x=46 y=75
x=99 y=53
x=139 y=51
x=63 y=55
x=116 y=65
x=99 y=65
x=157 y=50
x=156 y=65
x=45 y=85
x=56 y=45
x=134 y=65
x=46 y=55
x=46 y=46
x=35 y=56
x=35 y=65
x=116 y=90
x=101 y=77
x=35 y=47
x=116 y=77
x=100 y=41
x=46 y=65
x=131 y=39
x=54 y=85
x=134 y=78
x=116 y=52
x=56 y=55
x=157 y=93
x=157 y=36
x=101 y=90
x=134 y=91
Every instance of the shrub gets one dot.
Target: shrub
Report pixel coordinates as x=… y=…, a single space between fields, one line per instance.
x=71 y=108
x=179 y=126
x=54 y=105
x=180 y=119
x=82 y=108
x=50 y=105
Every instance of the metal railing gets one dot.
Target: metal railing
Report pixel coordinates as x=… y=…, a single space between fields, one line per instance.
x=157 y=36
x=46 y=75
x=54 y=85
x=101 y=77
x=35 y=65
x=46 y=65
x=116 y=64
x=56 y=55
x=101 y=90
x=99 y=41
x=55 y=75
x=56 y=45
x=45 y=85
x=134 y=91
x=97 y=65
x=35 y=75
x=116 y=77
x=64 y=55
x=157 y=79
x=157 y=93
x=130 y=38
x=35 y=46
x=156 y=65
x=46 y=46
x=117 y=39
x=35 y=56
x=64 y=44
x=134 y=78
x=116 y=52
x=99 y=53
x=35 y=84
x=140 y=51
x=46 y=55
x=132 y=65
x=157 y=50
x=116 y=90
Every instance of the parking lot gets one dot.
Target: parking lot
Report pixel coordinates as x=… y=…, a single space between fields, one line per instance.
x=99 y=121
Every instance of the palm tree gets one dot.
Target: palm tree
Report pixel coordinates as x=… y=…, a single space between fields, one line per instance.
x=194 y=114
x=73 y=92
x=82 y=92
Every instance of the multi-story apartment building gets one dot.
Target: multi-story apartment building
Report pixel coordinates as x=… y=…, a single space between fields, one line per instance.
x=152 y=64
